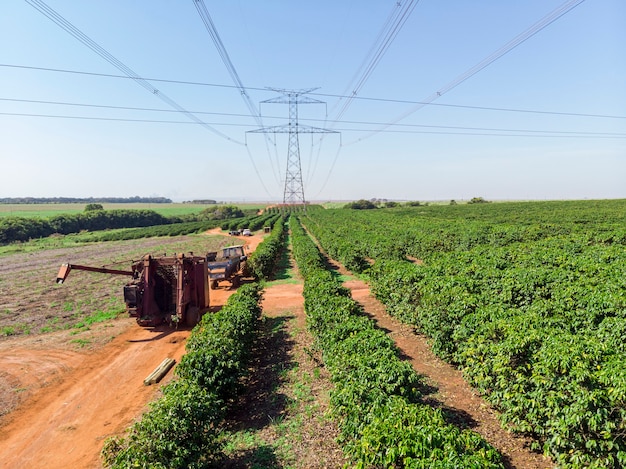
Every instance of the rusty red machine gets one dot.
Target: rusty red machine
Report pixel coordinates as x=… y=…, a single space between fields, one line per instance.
x=168 y=289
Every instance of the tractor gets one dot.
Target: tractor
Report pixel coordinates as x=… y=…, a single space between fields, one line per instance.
x=227 y=266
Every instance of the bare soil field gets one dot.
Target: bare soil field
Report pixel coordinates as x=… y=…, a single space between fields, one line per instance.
x=31 y=302
x=64 y=392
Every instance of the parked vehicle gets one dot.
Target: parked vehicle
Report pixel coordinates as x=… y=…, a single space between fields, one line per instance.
x=227 y=266
x=172 y=289
x=246 y=232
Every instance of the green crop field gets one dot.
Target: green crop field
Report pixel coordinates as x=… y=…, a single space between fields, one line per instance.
x=50 y=210
x=528 y=299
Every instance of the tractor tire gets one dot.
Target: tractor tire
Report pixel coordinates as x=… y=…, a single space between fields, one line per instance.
x=236 y=281
x=192 y=316
x=214 y=284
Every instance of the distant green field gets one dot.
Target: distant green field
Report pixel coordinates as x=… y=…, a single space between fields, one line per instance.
x=50 y=210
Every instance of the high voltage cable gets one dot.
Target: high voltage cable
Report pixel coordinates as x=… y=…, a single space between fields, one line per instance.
x=86 y=40
x=388 y=33
x=328 y=95
x=101 y=106
x=466 y=106
x=517 y=132
x=534 y=29
x=505 y=49
x=110 y=75
x=221 y=49
x=94 y=46
x=516 y=41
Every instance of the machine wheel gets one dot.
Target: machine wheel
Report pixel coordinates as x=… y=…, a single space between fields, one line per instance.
x=192 y=316
x=214 y=284
x=236 y=281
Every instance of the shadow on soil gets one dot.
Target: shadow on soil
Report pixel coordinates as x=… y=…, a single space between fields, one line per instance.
x=160 y=332
x=261 y=457
x=261 y=404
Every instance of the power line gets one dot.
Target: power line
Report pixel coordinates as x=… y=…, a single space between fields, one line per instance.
x=400 y=14
x=328 y=95
x=385 y=38
x=228 y=63
x=111 y=75
x=129 y=108
x=509 y=46
x=94 y=46
x=332 y=167
x=116 y=119
x=484 y=130
x=103 y=106
x=108 y=106
x=221 y=49
x=480 y=108
x=86 y=40
x=505 y=49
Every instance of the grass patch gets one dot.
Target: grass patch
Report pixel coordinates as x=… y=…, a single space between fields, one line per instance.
x=40 y=244
x=251 y=450
x=53 y=324
x=81 y=342
x=286 y=272
x=16 y=329
x=345 y=278
x=96 y=317
x=8 y=330
x=287 y=431
x=289 y=281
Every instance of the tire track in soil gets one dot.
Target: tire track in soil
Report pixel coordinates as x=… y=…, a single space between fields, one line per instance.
x=92 y=397
x=454 y=395
x=78 y=399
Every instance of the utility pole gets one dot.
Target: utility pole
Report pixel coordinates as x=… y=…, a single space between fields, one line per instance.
x=294 y=189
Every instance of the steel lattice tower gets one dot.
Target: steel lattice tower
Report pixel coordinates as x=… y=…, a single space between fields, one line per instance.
x=294 y=188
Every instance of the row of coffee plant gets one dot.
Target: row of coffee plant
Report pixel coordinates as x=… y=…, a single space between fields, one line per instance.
x=262 y=261
x=533 y=310
x=181 y=429
x=427 y=231
x=252 y=222
x=175 y=229
x=377 y=398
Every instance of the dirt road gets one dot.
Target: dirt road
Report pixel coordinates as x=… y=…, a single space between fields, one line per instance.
x=78 y=398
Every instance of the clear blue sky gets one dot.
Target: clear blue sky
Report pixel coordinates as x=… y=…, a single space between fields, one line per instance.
x=576 y=65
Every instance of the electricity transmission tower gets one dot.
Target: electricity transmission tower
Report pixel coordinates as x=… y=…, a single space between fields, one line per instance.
x=294 y=189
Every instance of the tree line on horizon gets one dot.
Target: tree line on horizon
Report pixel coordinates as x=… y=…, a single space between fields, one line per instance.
x=95 y=218
x=85 y=200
